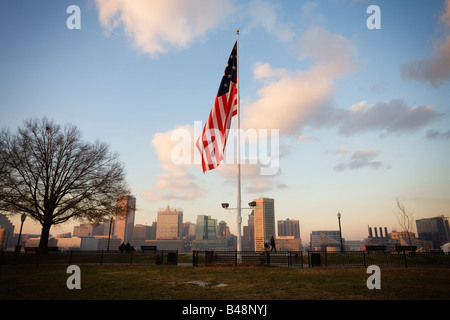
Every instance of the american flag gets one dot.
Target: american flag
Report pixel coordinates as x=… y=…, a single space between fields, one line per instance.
x=212 y=141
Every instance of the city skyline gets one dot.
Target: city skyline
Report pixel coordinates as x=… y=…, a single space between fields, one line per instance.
x=362 y=113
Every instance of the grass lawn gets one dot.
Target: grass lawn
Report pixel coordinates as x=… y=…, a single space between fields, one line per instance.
x=138 y=282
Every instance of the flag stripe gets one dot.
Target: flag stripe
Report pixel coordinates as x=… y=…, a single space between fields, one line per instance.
x=212 y=141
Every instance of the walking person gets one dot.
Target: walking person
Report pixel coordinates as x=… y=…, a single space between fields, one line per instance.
x=272 y=243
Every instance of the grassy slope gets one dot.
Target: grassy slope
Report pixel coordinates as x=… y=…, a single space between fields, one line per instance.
x=109 y=282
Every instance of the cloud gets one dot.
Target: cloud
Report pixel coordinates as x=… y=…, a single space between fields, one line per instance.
x=287 y=98
x=309 y=14
x=264 y=15
x=361 y=159
x=251 y=179
x=394 y=116
x=437 y=135
x=435 y=69
x=305 y=138
x=157 y=27
x=175 y=152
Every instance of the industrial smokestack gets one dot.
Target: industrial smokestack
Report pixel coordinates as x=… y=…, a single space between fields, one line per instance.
x=381 y=232
x=385 y=232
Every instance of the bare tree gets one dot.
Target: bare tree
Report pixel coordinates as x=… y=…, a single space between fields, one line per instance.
x=50 y=174
x=405 y=219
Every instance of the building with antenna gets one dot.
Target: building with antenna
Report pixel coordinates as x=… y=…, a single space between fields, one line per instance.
x=264 y=222
x=124 y=223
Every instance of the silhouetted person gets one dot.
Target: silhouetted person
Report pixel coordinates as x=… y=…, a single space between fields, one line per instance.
x=128 y=247
x=272 y=243
x=122 y=247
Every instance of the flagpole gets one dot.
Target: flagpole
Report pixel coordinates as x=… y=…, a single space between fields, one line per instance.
x=238 y=218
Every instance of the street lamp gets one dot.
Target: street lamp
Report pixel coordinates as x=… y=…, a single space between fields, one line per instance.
x=239 y=241
x=109 y=235
x=340 y=232
x=22 y=219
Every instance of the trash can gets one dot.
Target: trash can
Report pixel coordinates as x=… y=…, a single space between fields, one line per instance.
x=315 y=260
x=172 y=258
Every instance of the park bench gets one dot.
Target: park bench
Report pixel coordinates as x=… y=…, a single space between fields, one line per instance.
x=36 y=249
x=148 y=248
x=126 y=249
x=31 y=249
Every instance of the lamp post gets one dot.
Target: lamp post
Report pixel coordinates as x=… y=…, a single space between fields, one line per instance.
x=239 y=242
x=340 y=232
x=22 y=219
x=109 y=235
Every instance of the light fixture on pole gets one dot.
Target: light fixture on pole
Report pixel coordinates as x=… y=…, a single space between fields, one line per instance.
x=340 y=232
x=109 y=235
x=22 y=219
x=226 y=206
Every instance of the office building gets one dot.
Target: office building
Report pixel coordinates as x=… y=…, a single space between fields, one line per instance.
x=189 y=230
x=264 y=222
x=325 y=240
x=124 y=224
x=223 y=231
x=211 y=235
x=287 y=228
x=142 y=232
x=206 y=228
x=6 y=232
x=169 y=224
x=434 y=229
x=288 y=243
x=248 y=234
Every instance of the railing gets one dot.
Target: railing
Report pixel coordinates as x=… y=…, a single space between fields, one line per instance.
x=402 y=259
x=158 y=257
x=210 y=257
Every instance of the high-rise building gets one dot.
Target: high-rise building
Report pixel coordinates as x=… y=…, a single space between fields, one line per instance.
x=124 y=224
x=434 y=229
x=90 y=230
x=289 y=228
x=223 y=231
x=206 y=228
x=248 y=237
x=142 y=232
x=6 y=232
x=264 y=222
x=321 y=240
x=189 y=230
x=169 y=224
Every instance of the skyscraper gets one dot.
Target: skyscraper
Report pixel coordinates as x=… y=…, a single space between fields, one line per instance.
x=264 y=222
x=6 y=232
x=223 y=231
x=289 y=228
x=124 y=224
x=248 y=238
x=435 y=229
x=169 y=224
x=206 y=228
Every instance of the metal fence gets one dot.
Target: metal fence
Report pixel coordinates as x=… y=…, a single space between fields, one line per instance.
x=279 y=258
x=157 y=257
x=401 y=259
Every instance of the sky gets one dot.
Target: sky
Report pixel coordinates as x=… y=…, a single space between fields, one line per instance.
x=357 y=116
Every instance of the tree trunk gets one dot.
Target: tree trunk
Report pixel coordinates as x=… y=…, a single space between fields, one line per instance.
x=43 y=243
